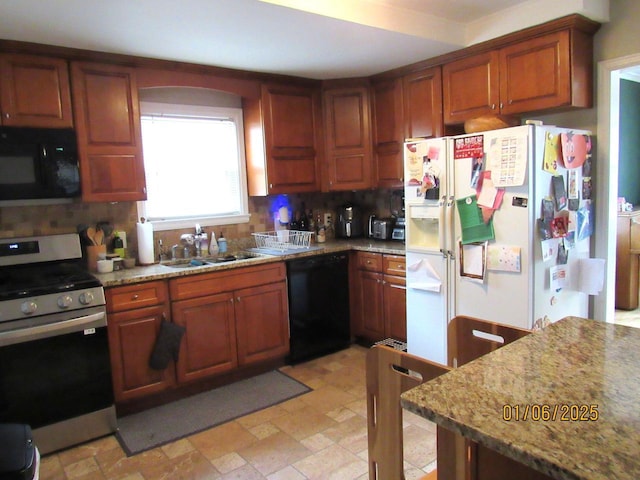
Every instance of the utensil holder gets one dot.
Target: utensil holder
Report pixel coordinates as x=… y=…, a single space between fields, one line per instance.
x=94 y=253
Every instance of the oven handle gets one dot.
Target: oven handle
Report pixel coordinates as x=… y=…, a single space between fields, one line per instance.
x=94 y=320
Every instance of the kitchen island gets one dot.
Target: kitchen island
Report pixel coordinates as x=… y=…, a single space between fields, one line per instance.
x=561 y=403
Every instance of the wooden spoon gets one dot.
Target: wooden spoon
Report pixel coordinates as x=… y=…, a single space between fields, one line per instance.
x=98 y=237
x=91 y=233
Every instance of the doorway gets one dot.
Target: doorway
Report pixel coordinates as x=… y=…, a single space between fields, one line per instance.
x=609 y=74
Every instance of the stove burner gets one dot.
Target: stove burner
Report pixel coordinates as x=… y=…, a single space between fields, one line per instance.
x=39 y=279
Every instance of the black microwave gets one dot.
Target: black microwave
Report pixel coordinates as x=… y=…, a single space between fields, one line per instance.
x=38 y=163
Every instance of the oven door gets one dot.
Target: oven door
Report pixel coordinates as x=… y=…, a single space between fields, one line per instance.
x=50 y=372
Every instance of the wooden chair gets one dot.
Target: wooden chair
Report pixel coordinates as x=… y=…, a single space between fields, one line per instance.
x=391 y=372
x=469 y=338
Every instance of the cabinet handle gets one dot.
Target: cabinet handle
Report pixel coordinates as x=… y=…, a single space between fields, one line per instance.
x=135 y=296
x=238 y=299
x=493 y=106
x=510 y=102
x=501 y=104
x=7 y=115
x=231 y=299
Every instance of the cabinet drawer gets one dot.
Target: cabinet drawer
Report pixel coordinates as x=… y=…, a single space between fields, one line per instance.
x=228 y=280
x=394 y=265
x=136 y=296
x=370 y=261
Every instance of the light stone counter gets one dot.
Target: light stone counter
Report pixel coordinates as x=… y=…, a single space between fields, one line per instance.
x=161 y=271
x=572 y=362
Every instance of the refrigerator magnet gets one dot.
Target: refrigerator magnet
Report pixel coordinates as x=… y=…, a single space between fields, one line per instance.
x=575 y=149
x=559 y=191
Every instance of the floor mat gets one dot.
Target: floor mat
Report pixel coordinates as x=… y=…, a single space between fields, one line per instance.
x=172 y=421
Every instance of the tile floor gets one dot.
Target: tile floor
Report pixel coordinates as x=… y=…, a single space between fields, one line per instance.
x=319 y=435
x=630 y=318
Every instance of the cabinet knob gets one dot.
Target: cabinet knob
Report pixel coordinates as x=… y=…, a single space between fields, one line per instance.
x=238 y=299
x=134 y=296
x=501 y=104
x=510 y=102
x=493 y=106
x=7 y=115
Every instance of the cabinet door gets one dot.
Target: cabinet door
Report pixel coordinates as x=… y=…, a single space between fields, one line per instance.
x=282 y=137
x=371 y=308
x=471 y=87
x=262 y=320
x=109 y=138
x=348 y=138
x=388 y=134
x=34 y=91
x=535 y=75
x=423 y=104
x=395 y=307
x=132 y=336
x=209 y=344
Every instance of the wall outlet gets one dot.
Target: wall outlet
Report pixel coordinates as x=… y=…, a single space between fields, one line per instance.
x=327 y=218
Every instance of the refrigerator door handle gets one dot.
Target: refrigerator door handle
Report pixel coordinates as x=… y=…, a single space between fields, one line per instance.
x=449 y=227
x=441 y=226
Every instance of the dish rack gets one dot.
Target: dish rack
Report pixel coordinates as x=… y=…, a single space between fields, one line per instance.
x=283 y=239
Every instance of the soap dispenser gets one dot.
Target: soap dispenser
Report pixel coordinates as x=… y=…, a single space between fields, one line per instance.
x=222 y=243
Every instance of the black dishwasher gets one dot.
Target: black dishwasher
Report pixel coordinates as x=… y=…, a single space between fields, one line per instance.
x=318 y=305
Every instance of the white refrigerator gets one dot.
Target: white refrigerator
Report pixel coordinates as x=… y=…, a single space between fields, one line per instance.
x=497 y=224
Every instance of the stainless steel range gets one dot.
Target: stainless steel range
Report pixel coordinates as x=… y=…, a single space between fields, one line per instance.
x=55 y=372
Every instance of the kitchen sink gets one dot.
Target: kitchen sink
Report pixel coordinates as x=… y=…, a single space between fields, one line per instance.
x=203 y=262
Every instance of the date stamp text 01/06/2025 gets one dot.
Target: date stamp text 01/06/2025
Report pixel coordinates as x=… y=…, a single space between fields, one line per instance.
x=546 y=412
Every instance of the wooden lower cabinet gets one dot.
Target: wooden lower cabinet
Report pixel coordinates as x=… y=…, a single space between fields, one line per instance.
x=232 y=318
x=379 y=303
x=627 y=251
x=394 y=291
x=262 y=322
x=209 y=343
x=133 y=328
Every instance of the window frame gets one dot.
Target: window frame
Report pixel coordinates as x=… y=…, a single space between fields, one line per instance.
x=236 y=114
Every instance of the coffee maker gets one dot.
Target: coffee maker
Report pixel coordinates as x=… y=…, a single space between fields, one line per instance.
x=350 y=222
x=396 y=205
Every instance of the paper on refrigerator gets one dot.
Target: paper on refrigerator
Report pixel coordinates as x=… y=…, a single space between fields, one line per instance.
x=424 y=277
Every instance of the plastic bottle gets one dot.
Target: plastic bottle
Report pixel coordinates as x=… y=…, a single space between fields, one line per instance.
x=213 y=246
x=118 y=246
x=320 y=230
x=222 y=243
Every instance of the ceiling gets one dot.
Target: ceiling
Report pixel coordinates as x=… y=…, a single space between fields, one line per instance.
x=318 y=39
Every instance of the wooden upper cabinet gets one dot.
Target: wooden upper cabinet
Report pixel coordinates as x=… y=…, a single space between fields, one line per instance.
x=536 y=74
x=107 y=117
x=423 y=104
x=388 y=132
x=471 y=87
x=34 y=91
x=348 y=138
x=282 y=139
x=552 y=71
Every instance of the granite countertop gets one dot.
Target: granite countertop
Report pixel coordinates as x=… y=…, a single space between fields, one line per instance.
x=162 y=271
x=571 y=362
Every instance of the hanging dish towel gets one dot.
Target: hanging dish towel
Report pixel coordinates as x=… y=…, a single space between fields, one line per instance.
x=167 y=345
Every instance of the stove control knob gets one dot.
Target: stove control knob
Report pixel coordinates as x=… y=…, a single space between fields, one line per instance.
x=86 y=298
x=29 y=307
x=65 y=301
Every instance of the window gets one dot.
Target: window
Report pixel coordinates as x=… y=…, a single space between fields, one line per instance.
x=194 y=166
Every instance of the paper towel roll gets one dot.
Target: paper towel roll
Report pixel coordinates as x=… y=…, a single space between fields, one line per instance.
x=145 y=243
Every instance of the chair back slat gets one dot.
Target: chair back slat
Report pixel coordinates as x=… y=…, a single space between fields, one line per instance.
x=469 y=338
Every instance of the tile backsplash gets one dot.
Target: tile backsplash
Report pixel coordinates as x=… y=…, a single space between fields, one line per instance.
x=27 y=221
